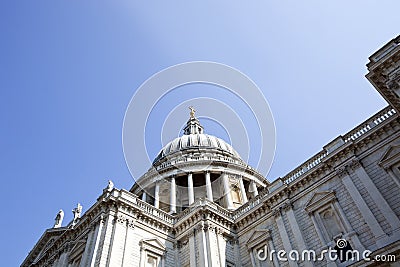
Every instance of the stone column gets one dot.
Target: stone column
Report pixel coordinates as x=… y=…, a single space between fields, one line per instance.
x=190 y=188
x=227 y=191
x=173 y=195
x=144 y=196
x=253 y=188
x=243 y=191
x=208 y=186
x=157 y=195
x=366 y=213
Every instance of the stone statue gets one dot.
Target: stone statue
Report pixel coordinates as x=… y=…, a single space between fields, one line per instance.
x=77 y=213
x=110 y=186
x=192 y=112
x=59 y=219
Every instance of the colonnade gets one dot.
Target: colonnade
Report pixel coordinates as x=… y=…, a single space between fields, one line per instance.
x=226 y=185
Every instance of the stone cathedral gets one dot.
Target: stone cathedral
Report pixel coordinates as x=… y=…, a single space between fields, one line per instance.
x=201 y=205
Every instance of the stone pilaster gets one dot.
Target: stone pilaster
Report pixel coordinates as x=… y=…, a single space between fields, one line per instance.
x=203 y=247
x=192 y=248
x=366 y=213
x=301 y=245
x=129 y=256
x=377 y=197
x=221 y=246
x=283 y=234
x=118 y=241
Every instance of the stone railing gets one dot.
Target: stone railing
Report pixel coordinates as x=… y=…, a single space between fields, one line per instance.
x=217 y=208
x=369 y=124
x=305 y=167
x=198 y=158
x=354 y=134
x=247 y=207
x=201 y=203
x=159 y=214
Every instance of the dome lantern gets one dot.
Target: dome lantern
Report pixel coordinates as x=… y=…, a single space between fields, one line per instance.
x=193 y=125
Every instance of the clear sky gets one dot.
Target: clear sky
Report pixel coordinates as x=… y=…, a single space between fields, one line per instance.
x=70 y=68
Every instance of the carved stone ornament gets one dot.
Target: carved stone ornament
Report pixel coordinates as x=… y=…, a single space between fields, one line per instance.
x=354 y=164
x=121 y=219
x=276 y=213
x=341 y=172
x=287 y=206
x=131 y=223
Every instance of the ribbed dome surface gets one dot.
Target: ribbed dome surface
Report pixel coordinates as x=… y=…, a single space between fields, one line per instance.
x=196 y=141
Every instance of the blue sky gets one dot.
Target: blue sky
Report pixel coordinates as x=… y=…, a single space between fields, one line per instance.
x=68 y=70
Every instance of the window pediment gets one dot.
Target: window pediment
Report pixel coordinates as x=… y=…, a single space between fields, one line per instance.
x=390 y=157
x=76 y=253
x=318 y=200
x=258 y=237
x=153 y=244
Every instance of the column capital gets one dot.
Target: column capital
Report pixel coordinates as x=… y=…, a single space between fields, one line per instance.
x=341 y=172
x=191 y=233
x=287 y=205
x=354 y=164
x=276 y=213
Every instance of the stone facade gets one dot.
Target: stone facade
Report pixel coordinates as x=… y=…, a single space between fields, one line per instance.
x=201 y=205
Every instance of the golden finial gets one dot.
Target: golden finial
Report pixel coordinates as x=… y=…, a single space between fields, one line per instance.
x=192 y=111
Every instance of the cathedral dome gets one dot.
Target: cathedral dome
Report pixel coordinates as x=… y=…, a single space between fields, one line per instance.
x=196 y=141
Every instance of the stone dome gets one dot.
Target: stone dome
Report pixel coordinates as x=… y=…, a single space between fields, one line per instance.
x=196 y=141
x=194 y=138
